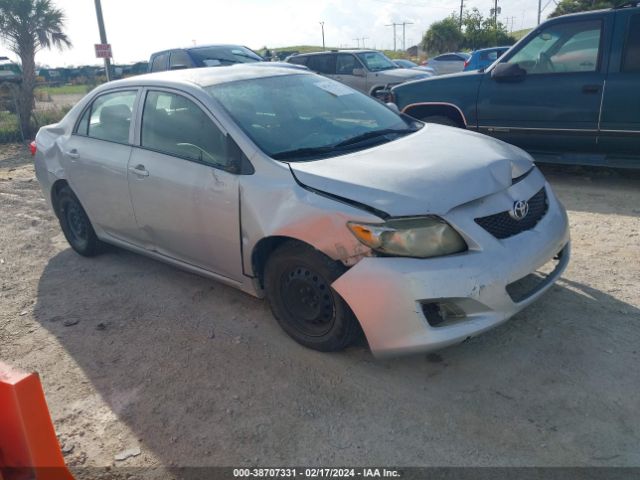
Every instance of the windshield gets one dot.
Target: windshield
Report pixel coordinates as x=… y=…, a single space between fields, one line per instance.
x=306 y=117
x=376 y=61
x=213 y=56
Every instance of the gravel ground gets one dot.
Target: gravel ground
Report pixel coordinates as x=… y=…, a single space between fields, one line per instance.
x=134 y=354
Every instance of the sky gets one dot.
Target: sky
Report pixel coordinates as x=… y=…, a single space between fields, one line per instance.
x=137 y=28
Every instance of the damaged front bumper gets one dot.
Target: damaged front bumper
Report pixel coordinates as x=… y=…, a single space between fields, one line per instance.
x=407 y=305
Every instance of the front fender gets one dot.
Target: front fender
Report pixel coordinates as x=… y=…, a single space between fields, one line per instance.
x=459 y=89
x=284 y=208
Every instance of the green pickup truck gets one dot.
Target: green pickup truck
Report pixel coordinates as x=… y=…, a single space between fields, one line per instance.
x=569 y=92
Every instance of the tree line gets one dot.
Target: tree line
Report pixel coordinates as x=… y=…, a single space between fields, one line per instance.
x=475 y=31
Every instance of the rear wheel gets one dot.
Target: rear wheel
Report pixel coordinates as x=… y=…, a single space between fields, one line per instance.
x=441 y=120
x=298 y=282
x=76 y=225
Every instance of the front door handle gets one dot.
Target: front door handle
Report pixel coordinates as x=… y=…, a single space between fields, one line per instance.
x=73 y=154
x=139 y=170
x=590 y=88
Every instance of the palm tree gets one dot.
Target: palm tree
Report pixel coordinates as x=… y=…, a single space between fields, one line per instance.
x=28 y=26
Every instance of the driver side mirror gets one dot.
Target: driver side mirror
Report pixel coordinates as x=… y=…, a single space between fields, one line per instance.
x=508 y=72
x=358 y=72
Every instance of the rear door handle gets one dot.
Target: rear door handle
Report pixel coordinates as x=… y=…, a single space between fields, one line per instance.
x=590 y=88
x=73 y=154
x=139 y=170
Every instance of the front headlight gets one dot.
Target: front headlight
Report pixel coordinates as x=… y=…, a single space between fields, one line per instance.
x=420 y=237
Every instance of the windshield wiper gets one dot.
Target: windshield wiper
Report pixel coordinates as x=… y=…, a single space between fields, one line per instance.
x=377 y=133
x=302 y=152
x=328 y=149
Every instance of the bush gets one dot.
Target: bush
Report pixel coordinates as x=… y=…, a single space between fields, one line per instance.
x=10 y=127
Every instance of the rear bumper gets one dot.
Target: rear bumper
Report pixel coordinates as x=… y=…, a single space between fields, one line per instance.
x=387 y=294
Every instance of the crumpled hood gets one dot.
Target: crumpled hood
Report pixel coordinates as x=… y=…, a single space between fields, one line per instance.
x=428 y=172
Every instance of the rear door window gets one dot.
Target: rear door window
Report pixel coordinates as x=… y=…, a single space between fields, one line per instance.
x=109 y=117
x=160 y=63
x=325 y=64
x=631 y=59
x=180 y=59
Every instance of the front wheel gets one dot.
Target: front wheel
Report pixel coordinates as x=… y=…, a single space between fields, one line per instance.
x=76 y=225
x=298 y=282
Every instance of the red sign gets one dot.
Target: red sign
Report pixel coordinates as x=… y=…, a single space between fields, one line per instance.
x=103 y=50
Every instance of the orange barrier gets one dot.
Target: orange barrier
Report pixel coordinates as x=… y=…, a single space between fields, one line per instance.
x=29 y=448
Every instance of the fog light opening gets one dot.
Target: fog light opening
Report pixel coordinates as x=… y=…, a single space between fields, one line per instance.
x=441 y=313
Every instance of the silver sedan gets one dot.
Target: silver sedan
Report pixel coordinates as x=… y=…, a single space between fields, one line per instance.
x=345 y=214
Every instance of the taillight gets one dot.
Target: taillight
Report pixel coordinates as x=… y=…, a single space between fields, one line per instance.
x=466 y=63
x=32 y=148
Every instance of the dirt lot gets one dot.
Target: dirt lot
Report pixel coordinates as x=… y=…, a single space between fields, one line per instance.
x=136 y=354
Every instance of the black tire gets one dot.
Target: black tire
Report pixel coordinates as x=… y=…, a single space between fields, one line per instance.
x=441 y=120
x=76 y=225
x=297 y=283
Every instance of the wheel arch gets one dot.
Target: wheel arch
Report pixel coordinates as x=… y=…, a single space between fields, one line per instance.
x=263 y=249
x=56 y=188
x=428 y=109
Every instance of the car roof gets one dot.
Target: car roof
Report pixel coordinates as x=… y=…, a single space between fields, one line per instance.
x=452 y=53
x=339 y=51
x=225 y=45
x=205 y=77
x=492 y=48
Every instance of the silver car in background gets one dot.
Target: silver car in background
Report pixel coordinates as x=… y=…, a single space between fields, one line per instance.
x=447 y=63
x=289 y=185
x=369 y=71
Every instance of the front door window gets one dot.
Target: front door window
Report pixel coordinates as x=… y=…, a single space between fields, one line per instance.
x=564 y=48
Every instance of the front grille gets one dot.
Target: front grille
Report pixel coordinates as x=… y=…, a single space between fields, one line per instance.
x=501 y=225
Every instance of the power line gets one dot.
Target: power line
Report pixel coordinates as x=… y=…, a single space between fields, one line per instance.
x=361 y=38
x=395 y=37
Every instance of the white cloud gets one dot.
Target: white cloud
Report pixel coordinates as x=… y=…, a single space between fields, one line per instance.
x=136 y=28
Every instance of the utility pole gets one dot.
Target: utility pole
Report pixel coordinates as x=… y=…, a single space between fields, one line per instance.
x=394 y=25
x=539 y=10
x=495 y=14
x=461 y=10
x=361 y=38
x=103 y=38
x=404 y=38
x=322 y=26
x=394 y=34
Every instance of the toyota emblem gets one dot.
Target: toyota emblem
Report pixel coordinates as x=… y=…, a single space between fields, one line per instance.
x=520 y=210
